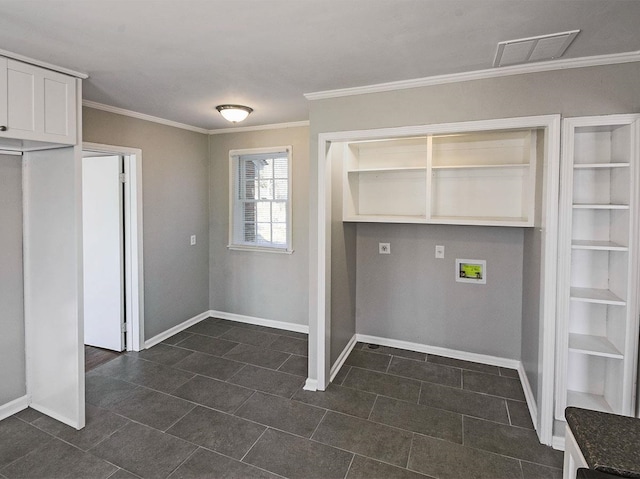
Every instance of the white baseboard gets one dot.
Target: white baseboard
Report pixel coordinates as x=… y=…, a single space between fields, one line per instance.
x=300 y=328
x=270 y=323
x=439 y=351
x=53 y=414
x=14 y=406
x=558 y=443
x=176 y=329
x=310 y=385
x=343 y=357
x=528 y=395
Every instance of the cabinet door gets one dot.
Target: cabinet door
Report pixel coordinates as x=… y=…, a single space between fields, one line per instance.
x=40 y=104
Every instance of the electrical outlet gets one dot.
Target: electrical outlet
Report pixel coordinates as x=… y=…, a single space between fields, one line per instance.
x=384 y=248
x=439 y=251
x=193 y=240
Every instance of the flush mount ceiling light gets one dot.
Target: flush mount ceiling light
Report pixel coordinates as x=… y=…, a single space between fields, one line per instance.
x=533 y=49
x=234 y=113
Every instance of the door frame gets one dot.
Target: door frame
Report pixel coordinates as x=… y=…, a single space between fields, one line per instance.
x=133 y=245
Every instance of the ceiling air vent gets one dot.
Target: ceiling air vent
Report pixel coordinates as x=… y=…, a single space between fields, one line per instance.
x=533 y=49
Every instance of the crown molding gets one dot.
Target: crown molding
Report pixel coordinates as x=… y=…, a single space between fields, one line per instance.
x=551 y=65
x=142 y=116
x=273 y=126
x=175 y=124
x=48 y=66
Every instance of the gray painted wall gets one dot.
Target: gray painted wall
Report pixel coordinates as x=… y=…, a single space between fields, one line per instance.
x=12 y=357
x=532 y=270
x=412 y=296
x=343 y=264
x=263 y=285
x=575 y=92
x=175 y=172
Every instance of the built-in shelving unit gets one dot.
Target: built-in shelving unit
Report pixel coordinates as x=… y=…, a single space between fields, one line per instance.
x=485 y=177
x=598 y=273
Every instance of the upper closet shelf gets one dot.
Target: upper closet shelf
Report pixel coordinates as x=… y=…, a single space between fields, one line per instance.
x=598 y=245
x=584 y=166
x=599 y=206
x=484 y=177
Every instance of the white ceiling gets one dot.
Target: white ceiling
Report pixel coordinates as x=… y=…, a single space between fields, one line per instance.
x=178 y=59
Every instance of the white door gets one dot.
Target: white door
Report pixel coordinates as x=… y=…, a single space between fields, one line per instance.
x=103 y=252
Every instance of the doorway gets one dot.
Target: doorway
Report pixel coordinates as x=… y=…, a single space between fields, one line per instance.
x=112 y=247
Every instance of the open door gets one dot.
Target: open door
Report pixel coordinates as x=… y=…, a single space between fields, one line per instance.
x=102 y=214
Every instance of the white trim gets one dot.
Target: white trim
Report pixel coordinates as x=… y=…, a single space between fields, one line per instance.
x=528 y=394
x=319 y=314
x=440 y=351
x=272 y=126
x=11 y=152
x=134 y=267
x=547 y=335
x=158 y=338
x=558 y=443
x=627 y=57
x=12 y=407
x=335 y=369
x=239 y=318
x=48 y=66
x=310 y=385
x=58 y=417
x=162 y=121
x=142 y=116
x=270 y=323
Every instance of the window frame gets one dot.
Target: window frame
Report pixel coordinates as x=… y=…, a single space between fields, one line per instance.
x=235 y=215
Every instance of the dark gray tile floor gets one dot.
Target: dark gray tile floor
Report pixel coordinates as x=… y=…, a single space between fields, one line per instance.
x=225 y=400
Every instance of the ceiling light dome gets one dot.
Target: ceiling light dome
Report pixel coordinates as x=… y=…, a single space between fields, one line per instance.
x=234 y=113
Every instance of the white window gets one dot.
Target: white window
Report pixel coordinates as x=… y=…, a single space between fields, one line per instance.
x=260 y=205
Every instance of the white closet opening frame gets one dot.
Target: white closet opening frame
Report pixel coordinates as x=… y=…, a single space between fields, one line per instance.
x=320 y=257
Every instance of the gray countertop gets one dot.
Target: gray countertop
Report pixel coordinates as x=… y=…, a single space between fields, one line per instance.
x=610 y=443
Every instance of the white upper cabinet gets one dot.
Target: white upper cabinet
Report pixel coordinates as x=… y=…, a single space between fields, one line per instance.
x=473 y=178
x=36 y=104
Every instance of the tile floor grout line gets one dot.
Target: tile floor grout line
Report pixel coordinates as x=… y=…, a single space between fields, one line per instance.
x=346 y=473
x=253 y=445
x=181 y=463
x=373 y=407
x=506 y=403
x=234 y=412
x=318 y=425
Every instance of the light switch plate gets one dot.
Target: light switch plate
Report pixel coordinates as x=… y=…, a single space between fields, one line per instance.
x=384 y=248
x=439 y=251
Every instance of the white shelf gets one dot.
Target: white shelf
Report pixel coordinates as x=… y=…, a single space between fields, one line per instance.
x=598 y=245
x=385 y=219
x=593 y=345
x=597 y=206
x=475 y=220
x=599 y=296
x=383 y=170
x=477 y=167
x=588 y=401
x=581 y=166
x=473 y=178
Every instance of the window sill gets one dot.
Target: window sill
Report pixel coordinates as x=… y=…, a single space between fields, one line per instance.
x=259 y=249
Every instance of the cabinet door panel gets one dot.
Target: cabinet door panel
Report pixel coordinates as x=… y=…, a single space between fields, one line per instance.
x=56 y=107
x=21 y=114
